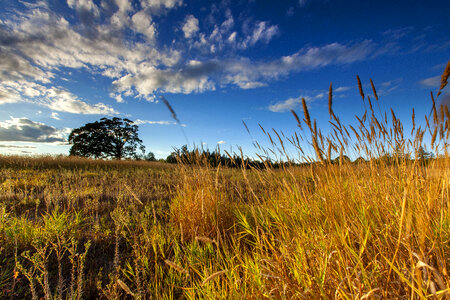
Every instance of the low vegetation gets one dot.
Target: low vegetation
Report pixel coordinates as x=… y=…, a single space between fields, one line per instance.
x=378 y=228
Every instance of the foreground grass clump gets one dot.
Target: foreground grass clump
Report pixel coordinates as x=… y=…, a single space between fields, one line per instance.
x=320 y=231
x=379 y=228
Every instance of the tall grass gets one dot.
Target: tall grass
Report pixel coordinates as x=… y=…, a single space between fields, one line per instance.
x=379 y=228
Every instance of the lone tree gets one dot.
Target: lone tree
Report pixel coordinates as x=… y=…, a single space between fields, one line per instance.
x=116 y=138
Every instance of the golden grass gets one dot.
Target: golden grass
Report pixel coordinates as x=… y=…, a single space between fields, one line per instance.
x=379 y=228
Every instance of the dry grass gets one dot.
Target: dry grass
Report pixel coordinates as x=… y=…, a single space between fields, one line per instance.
x=77 y=228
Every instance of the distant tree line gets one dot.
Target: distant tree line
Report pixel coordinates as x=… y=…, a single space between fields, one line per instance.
x=118 y=139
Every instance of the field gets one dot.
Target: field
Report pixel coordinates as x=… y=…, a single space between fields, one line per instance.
x=380 y=228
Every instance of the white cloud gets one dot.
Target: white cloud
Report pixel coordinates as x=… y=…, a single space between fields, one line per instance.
x=53 y=98
x=434 y=81
x=232 y=37
x=75 y=106
x=190 y=26
x=320 y=95
x=142 y=23
x=221 y=142
x=55 y=116
x=25 y=130
x=118 y=97
x=149 y=79
x=84 y=5
x=8 y=95
x=16 y=146
x=123 y=5
x=140 y=122
x=341 y=89
x=199 y=76
x=50 y=42
x=228 y=23
x=41 y=43
x=262 y=32
x=246 y=85
x=15 y=67
x=285 y=105
x=157 y=5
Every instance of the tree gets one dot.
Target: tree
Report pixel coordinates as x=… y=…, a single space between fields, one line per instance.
x=359 y=160
x=117 y=138
x=423 y=155
x=150 y=156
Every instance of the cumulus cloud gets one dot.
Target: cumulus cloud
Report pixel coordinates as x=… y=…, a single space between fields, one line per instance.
x=199 y=76
x=158 y=5
x=221 y=142
x=84 y=6
x=49 y=41
x=25 y=130
x=8 y=95
x=123 y=5
x=142 y=23
x=75 y=106
x=121 y=43
x=190 y=26
x=54 y=98
x=148 y=79
x=15 y=67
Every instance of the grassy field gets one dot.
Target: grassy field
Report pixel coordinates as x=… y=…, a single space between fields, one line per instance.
x=78 y=228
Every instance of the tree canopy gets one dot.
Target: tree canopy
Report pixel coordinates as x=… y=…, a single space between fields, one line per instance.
x=108 y=138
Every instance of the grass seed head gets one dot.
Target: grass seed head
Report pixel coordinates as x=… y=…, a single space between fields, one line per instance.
x=306 y=114
x=176 y=267
x=444 y=78
x=374 y=90
x=212 y=276
x=360 y=87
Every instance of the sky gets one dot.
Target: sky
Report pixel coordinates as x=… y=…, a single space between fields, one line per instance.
x=219 y=63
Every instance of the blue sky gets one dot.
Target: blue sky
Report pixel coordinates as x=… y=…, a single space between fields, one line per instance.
x=67 y=63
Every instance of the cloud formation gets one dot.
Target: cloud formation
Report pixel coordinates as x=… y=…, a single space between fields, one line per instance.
x=53 y=98
x=140 y=122
x=434 y=81
x=121 y=42
x=16 y=147
x=308 y=95
x=190 y=26
x=142 y=23
x=262 y=32
x=25 y=130
x=285 y=105
x=199 y=76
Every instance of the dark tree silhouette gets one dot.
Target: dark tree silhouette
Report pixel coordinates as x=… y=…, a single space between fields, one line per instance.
x=108 y=138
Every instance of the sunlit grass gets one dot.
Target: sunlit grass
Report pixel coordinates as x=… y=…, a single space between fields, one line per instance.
x=77 y=228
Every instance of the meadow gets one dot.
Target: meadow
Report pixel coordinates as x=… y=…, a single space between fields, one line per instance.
x=327 y=229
